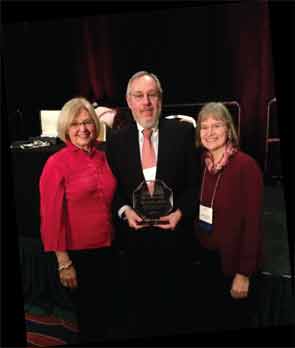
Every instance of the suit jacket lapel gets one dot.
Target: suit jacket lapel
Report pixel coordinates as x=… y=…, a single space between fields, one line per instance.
x=162 y=146
x=134 y=155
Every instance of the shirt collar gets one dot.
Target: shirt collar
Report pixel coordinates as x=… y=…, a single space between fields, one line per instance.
x=155 y=129
x=75 y=148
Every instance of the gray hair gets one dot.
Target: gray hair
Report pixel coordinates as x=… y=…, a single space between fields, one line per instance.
x=68 y=113
x=140 y=74
x=220 y=112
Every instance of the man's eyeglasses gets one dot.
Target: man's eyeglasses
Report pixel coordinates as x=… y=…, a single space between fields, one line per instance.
x=140 y=96
x=84 y=123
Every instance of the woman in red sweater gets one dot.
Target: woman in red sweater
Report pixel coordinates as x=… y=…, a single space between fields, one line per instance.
x=229 y=228
x=76 y=190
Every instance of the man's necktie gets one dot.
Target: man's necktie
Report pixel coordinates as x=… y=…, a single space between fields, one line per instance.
x=148 y=157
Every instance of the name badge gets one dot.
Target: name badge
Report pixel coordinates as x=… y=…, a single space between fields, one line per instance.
x=206 y=214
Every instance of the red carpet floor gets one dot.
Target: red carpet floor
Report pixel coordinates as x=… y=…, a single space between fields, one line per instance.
x=47 y=331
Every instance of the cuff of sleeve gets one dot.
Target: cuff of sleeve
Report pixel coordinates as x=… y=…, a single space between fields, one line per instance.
x=121 y=212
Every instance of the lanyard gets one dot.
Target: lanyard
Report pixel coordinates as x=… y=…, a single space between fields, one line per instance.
x=215 y=188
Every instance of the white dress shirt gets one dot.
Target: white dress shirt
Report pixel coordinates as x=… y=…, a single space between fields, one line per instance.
x=149 y=173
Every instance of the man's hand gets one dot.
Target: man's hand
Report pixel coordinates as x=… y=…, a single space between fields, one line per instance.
x=240 y=286
x=172 y=220
x=133 y=219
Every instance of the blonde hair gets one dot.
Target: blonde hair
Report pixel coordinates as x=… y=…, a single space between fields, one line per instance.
x=70 y=111
x=220 y=112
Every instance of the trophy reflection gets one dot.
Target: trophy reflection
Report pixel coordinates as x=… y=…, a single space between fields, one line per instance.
x=151 y=200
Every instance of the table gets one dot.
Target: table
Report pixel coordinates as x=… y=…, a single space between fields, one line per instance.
x=27 y=166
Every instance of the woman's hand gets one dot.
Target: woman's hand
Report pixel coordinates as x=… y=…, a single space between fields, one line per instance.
x=68 y=277
x=240 y=286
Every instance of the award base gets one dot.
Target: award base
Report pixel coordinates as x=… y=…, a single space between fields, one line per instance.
x=152 y=222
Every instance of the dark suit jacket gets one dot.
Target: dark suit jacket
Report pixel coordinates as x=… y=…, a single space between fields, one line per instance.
x=176 y=166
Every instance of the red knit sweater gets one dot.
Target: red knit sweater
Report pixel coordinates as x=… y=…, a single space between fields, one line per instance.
x=76 y=191
x=237 y=215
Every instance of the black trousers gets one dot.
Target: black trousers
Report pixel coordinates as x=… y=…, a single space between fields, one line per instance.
x=94 y=298
x=156 y=279
x=216 y=308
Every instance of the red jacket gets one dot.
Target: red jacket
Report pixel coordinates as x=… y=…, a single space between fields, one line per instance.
x=237 y=215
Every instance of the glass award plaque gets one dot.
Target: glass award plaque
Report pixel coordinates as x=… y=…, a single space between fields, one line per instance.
x=151 y=200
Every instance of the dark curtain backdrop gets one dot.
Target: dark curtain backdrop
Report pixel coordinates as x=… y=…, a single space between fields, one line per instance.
x=41 y=62
x=201 y=53
x=96 y=72
x=248 y=30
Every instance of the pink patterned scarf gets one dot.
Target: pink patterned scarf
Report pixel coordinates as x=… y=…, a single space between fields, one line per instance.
x=214 y=168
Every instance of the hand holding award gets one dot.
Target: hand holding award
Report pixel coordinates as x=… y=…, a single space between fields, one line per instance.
x=151 y=201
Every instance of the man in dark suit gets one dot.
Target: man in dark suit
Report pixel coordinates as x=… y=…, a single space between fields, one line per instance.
x=157 y=256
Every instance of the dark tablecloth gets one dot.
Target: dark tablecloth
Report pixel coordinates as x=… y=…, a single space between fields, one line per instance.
x=27 y=166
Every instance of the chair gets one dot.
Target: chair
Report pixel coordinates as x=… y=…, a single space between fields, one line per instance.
x=186 y=118
x=272 y=162
x=194 y=108
x=106 y=117
x=48 y=120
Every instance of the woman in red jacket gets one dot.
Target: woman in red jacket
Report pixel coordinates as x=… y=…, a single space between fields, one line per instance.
x=76 y=190
x=229 y=228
